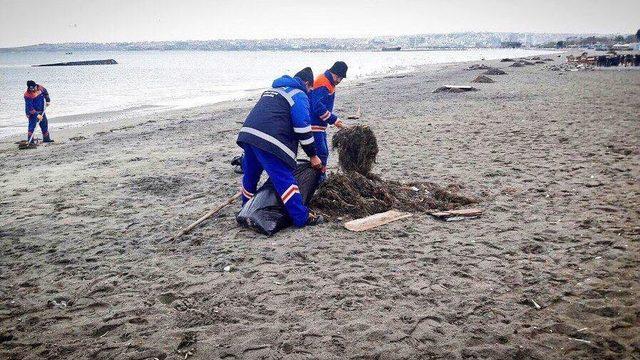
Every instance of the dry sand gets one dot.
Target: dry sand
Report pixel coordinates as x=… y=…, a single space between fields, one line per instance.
x=550 y=271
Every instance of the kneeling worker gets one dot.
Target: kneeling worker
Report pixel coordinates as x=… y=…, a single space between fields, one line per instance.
x=36 y=98
x=270 y=137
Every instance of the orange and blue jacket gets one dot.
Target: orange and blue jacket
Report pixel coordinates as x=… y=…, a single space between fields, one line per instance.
x=321 y=99
x=34 y=100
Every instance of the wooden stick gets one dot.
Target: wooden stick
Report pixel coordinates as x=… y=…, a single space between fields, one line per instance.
x=356 y=116
x=205 y=217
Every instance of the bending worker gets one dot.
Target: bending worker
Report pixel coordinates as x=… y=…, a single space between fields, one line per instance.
x=322 y=99
x=36 y=98
x=270 y=137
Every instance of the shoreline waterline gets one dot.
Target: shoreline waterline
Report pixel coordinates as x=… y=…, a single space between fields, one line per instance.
x=73 y=116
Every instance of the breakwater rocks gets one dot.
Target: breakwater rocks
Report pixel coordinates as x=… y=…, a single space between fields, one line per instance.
x=80 y=63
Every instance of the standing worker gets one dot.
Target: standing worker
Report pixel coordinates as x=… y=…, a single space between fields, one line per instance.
x=322 y=99
x=270 y=137
x=36 y=98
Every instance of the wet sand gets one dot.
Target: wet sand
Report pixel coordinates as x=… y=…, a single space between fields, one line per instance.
x=550 y=271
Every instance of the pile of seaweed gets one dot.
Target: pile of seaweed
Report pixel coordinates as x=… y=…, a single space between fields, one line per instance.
x=356 y=192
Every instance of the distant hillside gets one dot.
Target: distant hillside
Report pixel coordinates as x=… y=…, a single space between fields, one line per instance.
x=451 y=40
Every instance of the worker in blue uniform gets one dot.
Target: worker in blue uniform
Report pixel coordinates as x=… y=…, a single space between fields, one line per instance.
x=36 y=98
x=322 y=115
x=270 y=136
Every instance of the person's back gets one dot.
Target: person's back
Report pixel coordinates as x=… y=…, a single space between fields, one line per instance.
x=270 y=136
x=268 y=125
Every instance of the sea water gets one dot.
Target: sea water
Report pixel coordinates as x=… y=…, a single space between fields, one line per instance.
x=162 y=80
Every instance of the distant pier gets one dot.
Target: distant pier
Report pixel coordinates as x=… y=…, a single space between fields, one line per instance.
x=80 y=63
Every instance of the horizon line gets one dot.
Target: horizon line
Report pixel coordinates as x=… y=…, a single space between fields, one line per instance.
x=310 y=38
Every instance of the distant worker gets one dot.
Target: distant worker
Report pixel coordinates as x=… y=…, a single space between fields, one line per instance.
x=322 y=115
x=270 y=137
x=36 y=98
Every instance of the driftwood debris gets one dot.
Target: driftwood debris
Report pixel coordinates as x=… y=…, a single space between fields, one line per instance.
x=205 y=217
x=356 y=115
x=454 y=89
x=455 y=215
x=373 y=221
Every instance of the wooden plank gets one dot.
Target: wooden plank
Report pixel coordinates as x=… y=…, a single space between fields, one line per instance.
x=454 y=215
x=356 y=116
x=375 y=220
x=461 y=87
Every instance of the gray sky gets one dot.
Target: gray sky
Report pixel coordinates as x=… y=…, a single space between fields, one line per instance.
x=31 y=22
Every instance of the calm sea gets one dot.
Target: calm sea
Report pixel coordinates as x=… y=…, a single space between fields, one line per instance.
x=165 y=80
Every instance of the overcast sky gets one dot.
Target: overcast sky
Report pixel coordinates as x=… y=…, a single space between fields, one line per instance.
x=52 y=21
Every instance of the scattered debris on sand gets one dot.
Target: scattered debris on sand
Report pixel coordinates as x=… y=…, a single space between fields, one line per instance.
x=548 y=59
x=526 y=62
x=454 y=89
x=517 y=64
x=483 y=79
x=507 y=60
x=478 y=67
x=570 y=67
x=534 y=58
x=355 y=192
x=494 y=71
x=24 y=144
x=355 y=195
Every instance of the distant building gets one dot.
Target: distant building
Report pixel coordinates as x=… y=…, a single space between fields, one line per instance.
x=510 y=44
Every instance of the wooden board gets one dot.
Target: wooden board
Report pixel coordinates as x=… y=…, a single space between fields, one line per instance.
x=453 y=215
x=461 y=87
x=375 y=220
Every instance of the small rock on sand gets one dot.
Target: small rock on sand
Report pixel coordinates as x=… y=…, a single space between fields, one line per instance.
x=494 y=71
x=483 y=79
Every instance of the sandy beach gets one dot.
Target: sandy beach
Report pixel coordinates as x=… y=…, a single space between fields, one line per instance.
x=549 y=271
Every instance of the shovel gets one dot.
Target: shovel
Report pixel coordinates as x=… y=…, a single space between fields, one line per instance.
x=34 y=130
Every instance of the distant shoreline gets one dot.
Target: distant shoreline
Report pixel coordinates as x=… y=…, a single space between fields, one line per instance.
x=484 y=40
x=102 y=118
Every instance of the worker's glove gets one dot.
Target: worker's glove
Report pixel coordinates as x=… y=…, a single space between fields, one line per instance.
x=40 y=117
x=339 y=124
x=316 y=163
x=47 y=104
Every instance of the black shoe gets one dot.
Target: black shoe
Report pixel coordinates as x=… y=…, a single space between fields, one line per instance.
x=314 y=219
x=47 y=140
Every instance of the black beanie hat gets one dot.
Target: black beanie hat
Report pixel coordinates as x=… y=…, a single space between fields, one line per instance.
x=31 y=84
x=305 y=74
x=339 y=68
